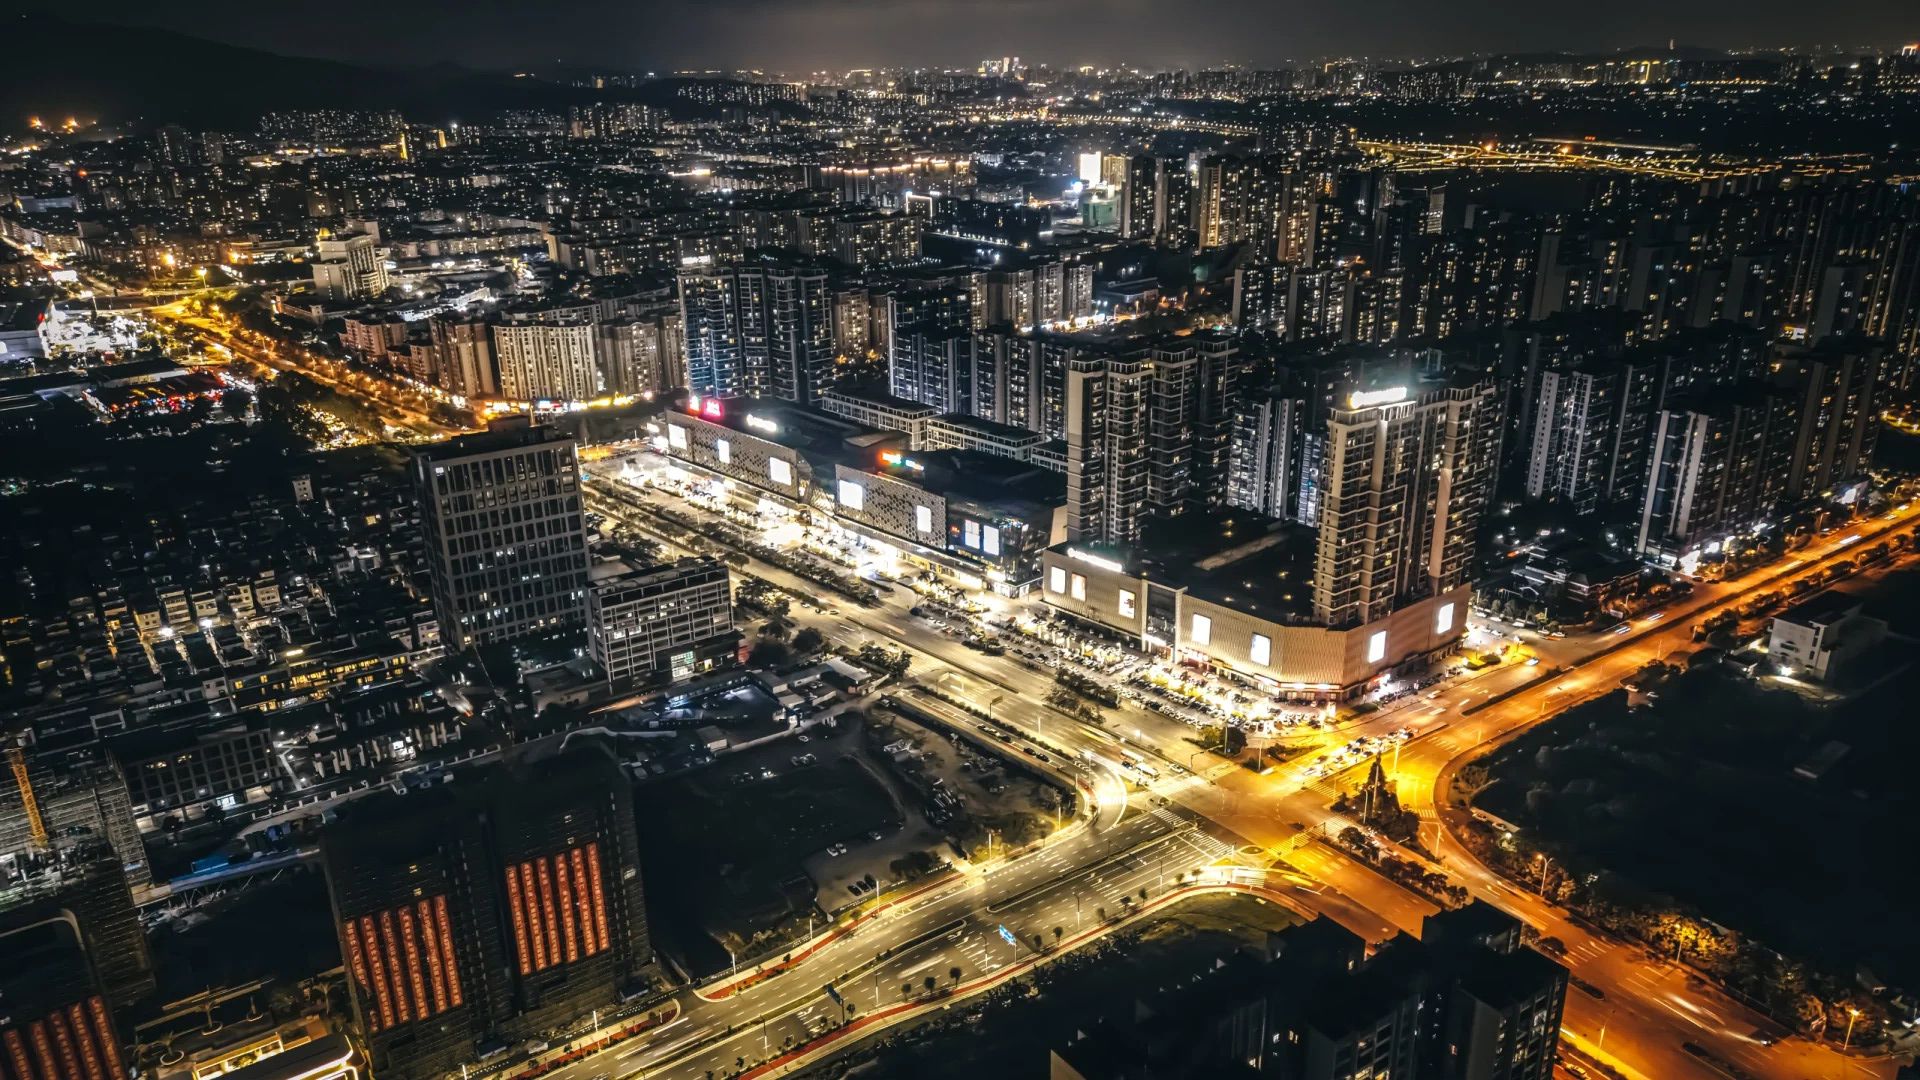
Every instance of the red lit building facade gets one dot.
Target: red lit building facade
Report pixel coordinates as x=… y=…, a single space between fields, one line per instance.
x=488 y=910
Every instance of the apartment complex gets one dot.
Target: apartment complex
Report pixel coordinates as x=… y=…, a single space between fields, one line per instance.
x=1404 y=485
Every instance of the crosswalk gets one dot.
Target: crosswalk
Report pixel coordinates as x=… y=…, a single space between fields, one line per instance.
x=1202 y=842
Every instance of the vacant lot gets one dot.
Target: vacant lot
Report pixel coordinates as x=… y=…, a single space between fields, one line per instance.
x=723 y=856
x=990 y=790
x=1695 y=798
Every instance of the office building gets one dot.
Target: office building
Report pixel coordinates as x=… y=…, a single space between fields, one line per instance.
x=652 y=625
x=487 y=910
x=348 y=266
x=506 y=542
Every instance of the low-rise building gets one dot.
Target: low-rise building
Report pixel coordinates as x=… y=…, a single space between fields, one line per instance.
x=1821 y=637
x=879 y=409
x=958 y=431
x=660 y=624
x=780 y=449
x=1234 y=592
x=1582 y=579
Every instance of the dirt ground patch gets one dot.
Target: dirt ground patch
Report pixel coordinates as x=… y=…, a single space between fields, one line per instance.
x=963 y=788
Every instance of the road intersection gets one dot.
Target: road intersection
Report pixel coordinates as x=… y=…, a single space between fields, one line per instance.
x=1213 y=813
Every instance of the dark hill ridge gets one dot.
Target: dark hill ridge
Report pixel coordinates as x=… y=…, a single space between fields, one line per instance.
x=61 y=67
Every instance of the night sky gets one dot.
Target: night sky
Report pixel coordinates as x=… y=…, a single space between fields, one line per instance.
x=804 y=35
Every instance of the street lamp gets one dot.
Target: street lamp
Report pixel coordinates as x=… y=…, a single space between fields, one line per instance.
x=1853 y=1014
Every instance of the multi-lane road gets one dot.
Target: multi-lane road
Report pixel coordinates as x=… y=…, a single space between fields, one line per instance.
x=1069 y=884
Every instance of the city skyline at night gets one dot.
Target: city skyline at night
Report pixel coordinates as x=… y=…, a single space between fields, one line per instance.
x=1031 y=538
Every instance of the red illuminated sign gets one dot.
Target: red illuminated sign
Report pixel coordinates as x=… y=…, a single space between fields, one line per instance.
x=71 y=1043
x=558 y=907
x=402 y=961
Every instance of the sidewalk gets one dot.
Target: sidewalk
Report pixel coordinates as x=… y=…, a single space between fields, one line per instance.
x=577 y=1049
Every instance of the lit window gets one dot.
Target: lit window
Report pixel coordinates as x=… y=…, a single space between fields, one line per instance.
x=1260 y=650
x=1079 y=586
x=970 y=534
x=990 y=540
x=676 y=436
x=723 y=450
x=1443 y=621
x=1056 y=580
x=1377 y=647
x=1126 y=603
x=1202 y=630
x=780 y=471
x=923 y=519
x=852 y=496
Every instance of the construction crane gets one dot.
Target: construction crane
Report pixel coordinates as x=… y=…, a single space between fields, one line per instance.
x=36 y=827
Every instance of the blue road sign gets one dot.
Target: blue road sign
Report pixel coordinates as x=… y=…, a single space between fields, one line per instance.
x=1007 y=936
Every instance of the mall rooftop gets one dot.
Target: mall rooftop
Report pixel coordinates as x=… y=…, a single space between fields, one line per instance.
x=818 y=435
x=1240 y=560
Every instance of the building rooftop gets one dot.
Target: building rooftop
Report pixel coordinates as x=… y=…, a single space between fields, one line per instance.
x=990 y=428
x=1025 y=491
x=1503 y=980
x=504 y=434
x=875 y=396
x=1821 y=609
x=823 y=438
x=1241 y=560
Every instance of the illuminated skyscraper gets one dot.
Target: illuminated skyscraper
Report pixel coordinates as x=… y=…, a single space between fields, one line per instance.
x=506 y=542
x=1404 y=484
x=761 y=329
